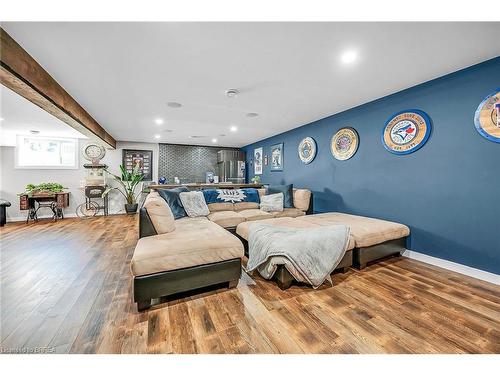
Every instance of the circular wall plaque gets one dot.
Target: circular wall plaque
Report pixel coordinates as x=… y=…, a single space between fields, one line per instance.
x=406 y=131
x=344 y=144
x=307 y=150
x=487 y=117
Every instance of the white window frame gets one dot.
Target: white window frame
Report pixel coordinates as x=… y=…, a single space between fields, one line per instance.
x=20 y=138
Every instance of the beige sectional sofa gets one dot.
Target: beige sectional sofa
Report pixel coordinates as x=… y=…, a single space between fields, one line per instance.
x=173 y=256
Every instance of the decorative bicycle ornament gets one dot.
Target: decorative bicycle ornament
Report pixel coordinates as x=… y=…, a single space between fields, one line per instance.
x=406 y=131
x=344 y=144
x=487 y=117
x=307 y=150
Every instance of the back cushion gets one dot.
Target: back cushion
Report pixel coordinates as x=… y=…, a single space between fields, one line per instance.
x=214 y=207
x=301 y=199
x=245 y=206
x=160 y=214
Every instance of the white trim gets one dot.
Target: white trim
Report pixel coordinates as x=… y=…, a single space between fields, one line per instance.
x=452 y=266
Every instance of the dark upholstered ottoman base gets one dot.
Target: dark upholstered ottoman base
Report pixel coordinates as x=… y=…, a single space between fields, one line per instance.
x=167 y=283
x=364 y=255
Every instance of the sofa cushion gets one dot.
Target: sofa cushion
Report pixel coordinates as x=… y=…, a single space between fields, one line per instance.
x=287 y=222
x=272 y=202
x=287 y=191
x=226 y=219
x=173 y=200
x=214 y=207
x=193 y=243
x=289 y=212
x=240 y=206
x=366 y=231
x=255 y=214
x=160 y=214
x=301 y=199
x=194 y=203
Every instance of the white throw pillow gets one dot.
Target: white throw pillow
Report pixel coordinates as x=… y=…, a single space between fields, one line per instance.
x=194 y=203
x=272 y=202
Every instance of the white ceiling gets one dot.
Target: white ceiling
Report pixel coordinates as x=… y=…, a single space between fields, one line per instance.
x=20 y=116
x=123 y=74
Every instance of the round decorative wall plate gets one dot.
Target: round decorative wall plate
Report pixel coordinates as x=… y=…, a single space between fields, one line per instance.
x=307 y=150
x=406 y=131
x=487 y=117
x=344 y=144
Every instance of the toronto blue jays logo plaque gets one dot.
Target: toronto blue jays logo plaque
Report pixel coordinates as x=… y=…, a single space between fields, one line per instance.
x=406 y=131
x=487 y=117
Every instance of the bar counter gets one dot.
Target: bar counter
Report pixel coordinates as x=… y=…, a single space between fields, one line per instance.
x=206 y=186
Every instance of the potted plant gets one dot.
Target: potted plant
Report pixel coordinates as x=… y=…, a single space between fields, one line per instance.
x=256 y=180
x=43 y=188
x=128 y=182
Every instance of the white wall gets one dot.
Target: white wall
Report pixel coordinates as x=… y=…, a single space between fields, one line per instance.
x=13 y=181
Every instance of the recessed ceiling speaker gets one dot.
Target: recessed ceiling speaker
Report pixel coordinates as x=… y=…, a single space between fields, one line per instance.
x=232 y=93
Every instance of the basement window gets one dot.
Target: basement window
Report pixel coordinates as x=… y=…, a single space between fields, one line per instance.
x=34 y=152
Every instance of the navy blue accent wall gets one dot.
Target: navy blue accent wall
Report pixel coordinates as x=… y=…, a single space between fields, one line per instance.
x=448 y=192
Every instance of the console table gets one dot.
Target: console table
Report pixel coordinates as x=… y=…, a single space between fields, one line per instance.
x=55 y=202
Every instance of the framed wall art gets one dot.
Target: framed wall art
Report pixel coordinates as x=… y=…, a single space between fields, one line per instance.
x=487 y=117
x=257 y=161
x=277 y=157
x=307 y=150
x=406 y=131
x=143 y=158
x=344 y=143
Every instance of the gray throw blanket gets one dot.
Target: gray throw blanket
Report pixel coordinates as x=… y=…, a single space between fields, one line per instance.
x=309 y=254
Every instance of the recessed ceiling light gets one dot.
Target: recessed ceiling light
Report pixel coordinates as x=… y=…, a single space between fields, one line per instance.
x=233 y=128
x=349 y=57
x=174 y=104
x=252 y=114
x=214 y=140
x=232 y=93
x=157 y=136
x=158 y=121
x=1 y=118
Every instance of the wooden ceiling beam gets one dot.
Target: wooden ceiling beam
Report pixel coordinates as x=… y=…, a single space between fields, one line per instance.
x=22 y=74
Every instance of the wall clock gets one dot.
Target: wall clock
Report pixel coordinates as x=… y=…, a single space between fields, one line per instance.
x=344 y=143
x=487 y=117
x=406 y=131
x=307 y=150
x=94 y=153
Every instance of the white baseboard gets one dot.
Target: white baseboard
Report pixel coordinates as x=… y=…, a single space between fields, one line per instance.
x=452 y=266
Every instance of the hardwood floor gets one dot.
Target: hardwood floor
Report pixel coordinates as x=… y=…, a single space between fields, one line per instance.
x=66 y=286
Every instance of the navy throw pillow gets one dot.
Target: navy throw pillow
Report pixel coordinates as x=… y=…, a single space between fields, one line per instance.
x=173 y=200
x=287 y=191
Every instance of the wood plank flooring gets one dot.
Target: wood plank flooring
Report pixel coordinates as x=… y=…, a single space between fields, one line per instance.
x=67 y=286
